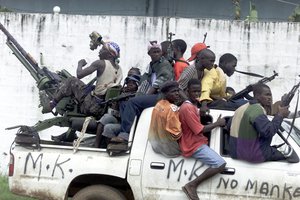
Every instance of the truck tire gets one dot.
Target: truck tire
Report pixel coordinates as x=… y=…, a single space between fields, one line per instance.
x=99 y=192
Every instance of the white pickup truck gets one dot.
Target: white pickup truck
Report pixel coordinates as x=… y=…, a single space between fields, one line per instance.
x=56 y=172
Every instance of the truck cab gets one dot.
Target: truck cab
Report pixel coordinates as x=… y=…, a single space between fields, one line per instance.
x=57 y=172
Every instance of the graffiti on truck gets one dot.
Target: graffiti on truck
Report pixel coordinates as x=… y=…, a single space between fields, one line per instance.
x=38 y=163
x=193 y=173
x=282 y=190
x=262 y=188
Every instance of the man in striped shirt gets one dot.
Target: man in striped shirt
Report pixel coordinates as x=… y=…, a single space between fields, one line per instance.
x=205 y=59
x=251 y=131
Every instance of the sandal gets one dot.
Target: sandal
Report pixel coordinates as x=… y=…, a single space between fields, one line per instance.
x=118 y=140
x=190 y=194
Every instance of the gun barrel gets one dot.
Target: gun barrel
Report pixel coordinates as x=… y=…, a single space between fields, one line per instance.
x=268 y=79
x=26 y=55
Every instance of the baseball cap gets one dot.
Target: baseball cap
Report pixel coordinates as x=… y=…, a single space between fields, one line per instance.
x=133 y=77
x=196 y=49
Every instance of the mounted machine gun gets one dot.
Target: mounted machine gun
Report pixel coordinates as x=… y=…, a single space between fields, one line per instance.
x=47 y=81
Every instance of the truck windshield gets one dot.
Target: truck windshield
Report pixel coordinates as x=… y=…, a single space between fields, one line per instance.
x=295 y=133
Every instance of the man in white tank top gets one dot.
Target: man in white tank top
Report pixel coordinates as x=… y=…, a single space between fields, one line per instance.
x=109 y=74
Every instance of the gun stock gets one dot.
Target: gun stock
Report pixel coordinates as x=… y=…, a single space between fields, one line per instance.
x=243 y=93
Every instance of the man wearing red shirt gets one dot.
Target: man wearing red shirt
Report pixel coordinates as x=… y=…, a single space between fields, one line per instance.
x=193 y=143
x=179 y=48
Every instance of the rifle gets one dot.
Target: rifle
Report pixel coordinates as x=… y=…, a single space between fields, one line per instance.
x=118 y=98
x=288 y=98
x=47 y=81
x=243 y=93
x=170 y=52
x=285 y=102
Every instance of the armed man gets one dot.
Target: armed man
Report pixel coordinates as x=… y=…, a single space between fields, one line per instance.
x=109 y=74
x=251 y=131
x=90 y=98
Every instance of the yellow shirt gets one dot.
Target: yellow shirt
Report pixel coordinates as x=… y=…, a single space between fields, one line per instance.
x=213 y=85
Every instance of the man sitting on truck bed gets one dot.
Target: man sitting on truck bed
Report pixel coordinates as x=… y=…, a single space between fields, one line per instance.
x=213 y=94
x=109 y=124
x=193 y=143
x=165 y=127
x=204 y=59
x=109 y=74
x=251 y=131
x=159 y=71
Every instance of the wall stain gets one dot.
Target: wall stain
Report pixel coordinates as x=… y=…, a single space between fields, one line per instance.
x=40 y=28
x=167 y=27
x=198 y=23
x=247 y=32
x=22 y=22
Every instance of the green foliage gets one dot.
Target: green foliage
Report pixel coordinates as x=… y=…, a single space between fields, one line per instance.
x=4 y=9
x=5 y=194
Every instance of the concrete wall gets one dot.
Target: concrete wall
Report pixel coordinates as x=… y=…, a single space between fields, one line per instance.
x=268 y=10
x=63 y=40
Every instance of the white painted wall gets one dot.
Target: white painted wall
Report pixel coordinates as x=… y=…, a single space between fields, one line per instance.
x=63 y=40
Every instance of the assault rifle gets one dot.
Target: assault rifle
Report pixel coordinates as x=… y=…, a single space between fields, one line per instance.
x=288 y=98
x=285 y=102
x=118 y=98
x=47 y=81
x=243 y=93
x=170 y=52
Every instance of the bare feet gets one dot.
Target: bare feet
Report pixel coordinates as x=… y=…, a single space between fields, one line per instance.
x=190 y=192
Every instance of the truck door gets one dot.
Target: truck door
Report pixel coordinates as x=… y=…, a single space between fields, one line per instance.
x=162 y=177
x=269 y=180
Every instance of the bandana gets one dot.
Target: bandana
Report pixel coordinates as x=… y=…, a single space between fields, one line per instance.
x=113 y=48
x=153 y=44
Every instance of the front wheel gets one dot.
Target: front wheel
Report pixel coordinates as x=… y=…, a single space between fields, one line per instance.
x=99 y=192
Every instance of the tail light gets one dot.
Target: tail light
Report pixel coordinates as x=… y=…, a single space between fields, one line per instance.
x=11 y=165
